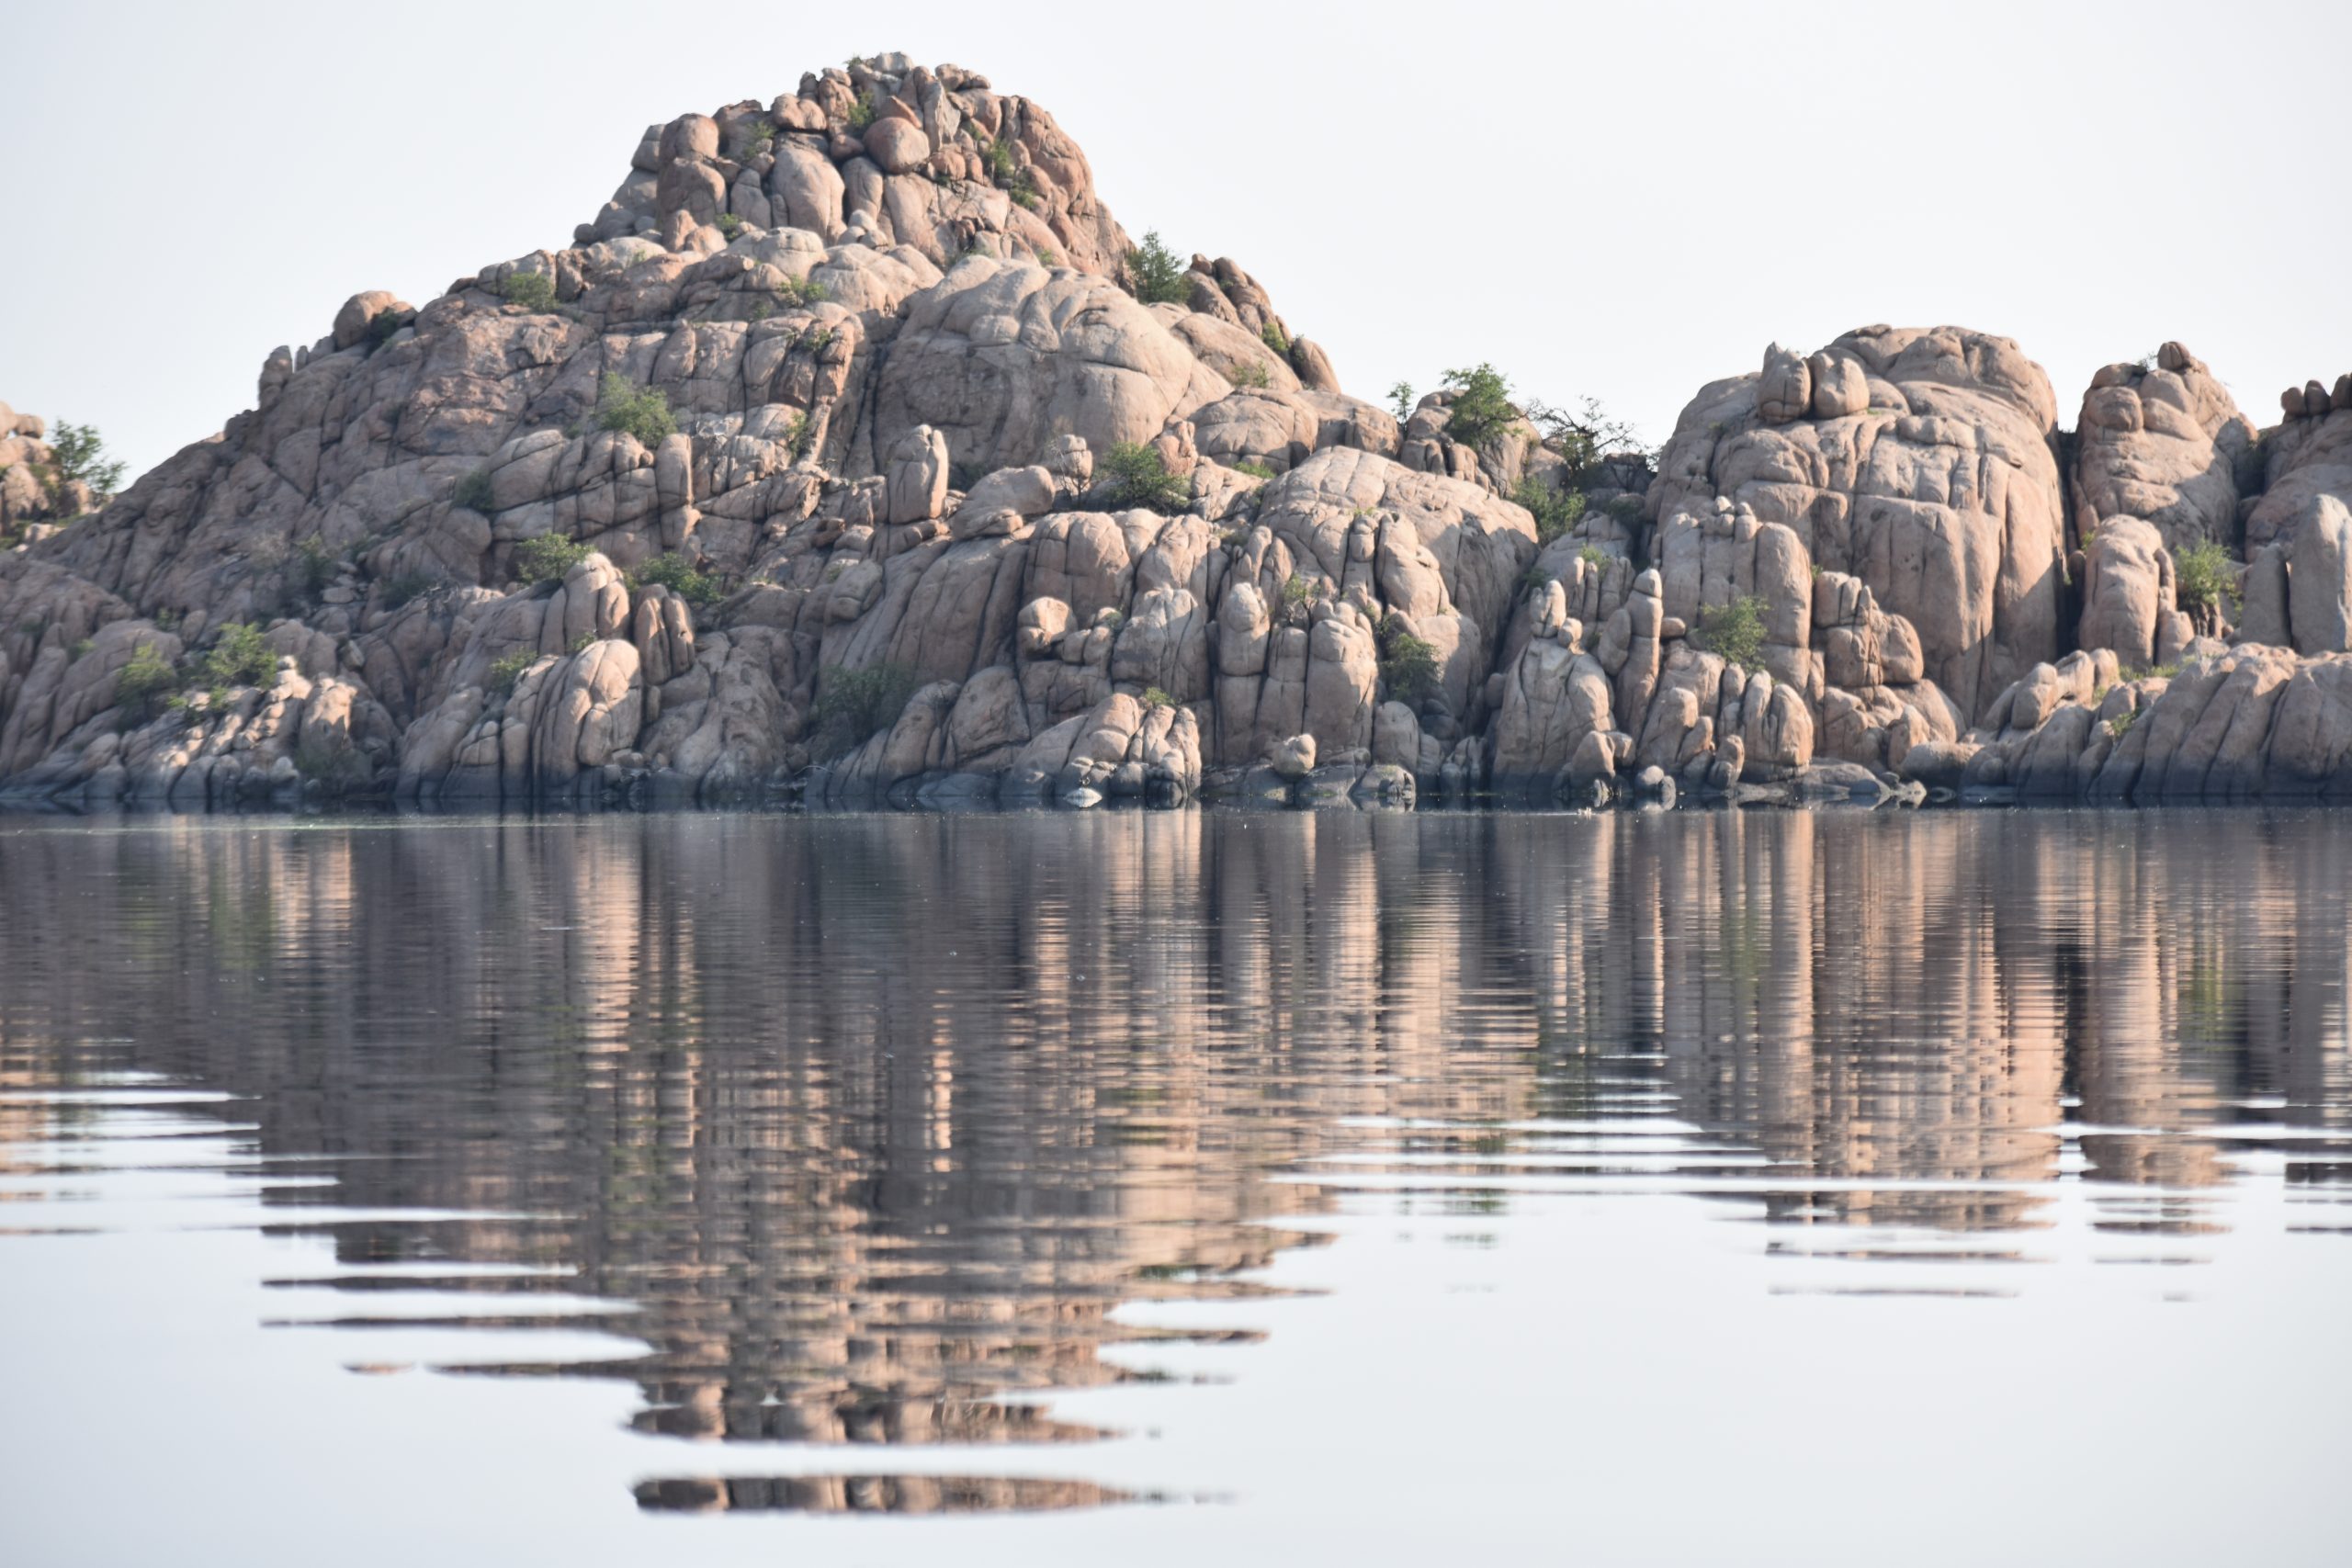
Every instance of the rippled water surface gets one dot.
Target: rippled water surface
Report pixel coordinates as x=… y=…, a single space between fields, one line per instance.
x=1166 y=1188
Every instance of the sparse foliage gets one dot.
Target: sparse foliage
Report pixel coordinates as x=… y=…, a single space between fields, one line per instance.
x=1735 y=630
x=1407 y=663
x=77 y=452
x=680 y=577
x=1253 y=375
x=240 y=655
x=1155 y=274
x=545 y=558
x=1139 y=477
x=862 y=113
x=1556 y=511
x=509 y=668
x=643 y=411
x=1481 y=408
x=1157 y=697
x=1401 y=401
x=2205 y=580
x=852 y=703
x=139 y=683
x=1274 y=337
x=472 y=490
x=532 y=290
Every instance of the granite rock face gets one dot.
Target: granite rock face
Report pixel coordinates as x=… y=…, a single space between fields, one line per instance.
x=837 y=454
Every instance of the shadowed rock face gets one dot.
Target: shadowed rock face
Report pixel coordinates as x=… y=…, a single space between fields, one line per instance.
x=838 y=452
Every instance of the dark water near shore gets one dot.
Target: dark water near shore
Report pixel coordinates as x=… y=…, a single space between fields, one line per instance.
x=1764 y=1186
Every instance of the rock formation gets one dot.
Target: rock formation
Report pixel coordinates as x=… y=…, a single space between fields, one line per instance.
x=844 y=452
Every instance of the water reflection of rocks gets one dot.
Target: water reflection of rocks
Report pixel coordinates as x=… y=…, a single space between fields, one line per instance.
x=877 y=1120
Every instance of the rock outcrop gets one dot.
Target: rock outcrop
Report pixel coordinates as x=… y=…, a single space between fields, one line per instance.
x=839 y=452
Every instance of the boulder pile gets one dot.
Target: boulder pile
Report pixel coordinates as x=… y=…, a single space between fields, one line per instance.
x=849 y=450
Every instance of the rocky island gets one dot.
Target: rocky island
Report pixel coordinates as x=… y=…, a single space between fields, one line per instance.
x=853 y=449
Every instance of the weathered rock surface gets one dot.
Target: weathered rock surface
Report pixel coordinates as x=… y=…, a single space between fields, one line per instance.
x=835 y=453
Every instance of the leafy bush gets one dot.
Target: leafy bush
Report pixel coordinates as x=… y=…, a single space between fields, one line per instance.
x=1254 y=468
x=532 y=290
x=862 y=113
x=2204 y=579
x=240 y=655
x=77 y=452
x=1735 y=630
x=1556 y=511
x=643 y=411
x=755 y=137
x=1401 y=400
x=472 y=490
x=1155 y=275
x=728 y=223
x=1023 y=190
x=1272 y=336
x=2120 y=725
x=1534 y=580
x=400 y=590
x=854 y=703
x=1139 y=477
x=381 y=326
x=1481 y=407
x=680 y=576
x=1298 y=594
x=545 y=558
x=1593 y=555
x=508 y=670
x=1253 y=375
x=1157 y=697
x=762 y=309
x=803 y=291
x=1407 y=663
x=1625 y=508
x=997 y=158
x=800 y=435
x=311 y=567
x=137 y=683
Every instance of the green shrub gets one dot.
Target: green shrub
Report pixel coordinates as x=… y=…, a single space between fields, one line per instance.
x=804 y=292
x=1156 y=697
x=2204 y=579
x=1735 y=630
x=1407 y=663
x=1023 y=190
x=800 y=435
x=240 y=655
x=509 y=668
x=1253 y=375
x=1534 y=580
x=755 y=137
x=2120 y=725
x=643 y=411
x=680 y=576
x=1298 y=594
x=1155 y=275
x=545 y=558
x=862 y=113
x=472 y=490
x=581 y=644
x=311 y=567
x=532 y=290
x=1139 y=477
x=137 y=683
x=1274 y=337
x=1625 y=508
x=854 y=703
x=996 y=157
x=381 y=326
x=760 y=310
x=730 y=224
x=1481 y=408
x=77 y=452
x=407 y=585
x=1254 y=468
x=81 y=650
x=1556 y=511
x=1401 y=400
x=1593 y=555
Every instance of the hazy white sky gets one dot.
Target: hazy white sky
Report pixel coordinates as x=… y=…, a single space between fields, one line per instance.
x=1625 y=201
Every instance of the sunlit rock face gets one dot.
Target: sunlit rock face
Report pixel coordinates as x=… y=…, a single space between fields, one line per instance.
x=853 y=450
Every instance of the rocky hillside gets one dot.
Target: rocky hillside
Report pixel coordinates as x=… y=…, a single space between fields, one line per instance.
x=853 y=448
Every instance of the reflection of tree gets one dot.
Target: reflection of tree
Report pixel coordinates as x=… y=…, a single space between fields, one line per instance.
x=875 y=1120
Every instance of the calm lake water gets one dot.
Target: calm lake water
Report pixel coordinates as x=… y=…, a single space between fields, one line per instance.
x=1180 y=1187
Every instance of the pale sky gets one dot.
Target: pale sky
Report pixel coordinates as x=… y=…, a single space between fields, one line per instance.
x=1623 y=201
